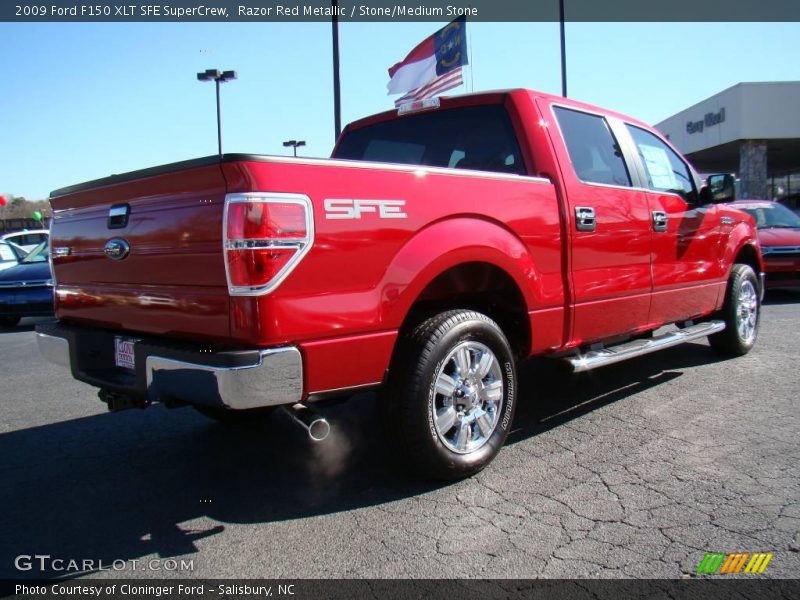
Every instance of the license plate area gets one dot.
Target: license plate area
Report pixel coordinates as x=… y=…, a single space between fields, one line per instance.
x=124 y=355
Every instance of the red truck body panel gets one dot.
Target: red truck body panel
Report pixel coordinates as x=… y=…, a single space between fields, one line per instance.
x=173 y=283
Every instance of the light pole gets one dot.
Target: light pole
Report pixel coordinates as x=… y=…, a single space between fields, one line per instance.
x=563 y=49
x=294 y=144
x=217 y=77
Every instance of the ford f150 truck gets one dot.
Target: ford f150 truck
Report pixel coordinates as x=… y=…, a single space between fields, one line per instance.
x=430 y=254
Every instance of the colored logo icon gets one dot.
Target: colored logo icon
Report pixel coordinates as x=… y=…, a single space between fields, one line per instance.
x=730 y=564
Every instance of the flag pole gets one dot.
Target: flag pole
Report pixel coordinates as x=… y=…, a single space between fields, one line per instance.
x=563 y=50
x=337 y=98
x=471 y=58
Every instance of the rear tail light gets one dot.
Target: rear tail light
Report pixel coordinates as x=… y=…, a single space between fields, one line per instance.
x=265 y=236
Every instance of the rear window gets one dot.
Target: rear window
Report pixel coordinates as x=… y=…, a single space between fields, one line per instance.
x=30 y=239
x=477 y=137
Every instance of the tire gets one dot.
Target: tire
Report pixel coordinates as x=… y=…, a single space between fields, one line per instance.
x=740 y=312
x=9 y=321
x=232 y=417
x=452 y=389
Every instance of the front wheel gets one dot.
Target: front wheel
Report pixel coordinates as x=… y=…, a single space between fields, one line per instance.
x=454 y=383
x=740 y=313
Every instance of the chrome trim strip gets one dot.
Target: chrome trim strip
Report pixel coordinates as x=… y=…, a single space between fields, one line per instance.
x=27 y=285
x=420 y=169
x=348 y=388
x=770 y=250
x=54 y=349
x=277 y=378
x=118 y=211
x=762 y=286
x=614 y=354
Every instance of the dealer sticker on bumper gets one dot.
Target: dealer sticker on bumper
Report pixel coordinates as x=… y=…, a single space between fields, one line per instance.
x=123 y=352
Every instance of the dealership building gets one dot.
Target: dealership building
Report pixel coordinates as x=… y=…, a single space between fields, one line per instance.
x=751 y=130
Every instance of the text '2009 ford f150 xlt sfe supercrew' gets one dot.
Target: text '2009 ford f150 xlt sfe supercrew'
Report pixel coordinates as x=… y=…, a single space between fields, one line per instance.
x=435 y=250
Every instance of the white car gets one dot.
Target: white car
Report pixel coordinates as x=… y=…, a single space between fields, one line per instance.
x=10 y=255
x=27 y=240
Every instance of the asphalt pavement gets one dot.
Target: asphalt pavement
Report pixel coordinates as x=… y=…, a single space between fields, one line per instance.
x=633 y=470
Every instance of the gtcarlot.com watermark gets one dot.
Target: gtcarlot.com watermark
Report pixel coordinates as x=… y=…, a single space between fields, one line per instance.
x=48 y=563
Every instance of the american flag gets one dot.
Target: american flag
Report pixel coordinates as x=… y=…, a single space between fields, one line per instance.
x=435 y=87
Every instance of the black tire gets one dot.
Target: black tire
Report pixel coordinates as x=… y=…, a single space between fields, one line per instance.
x=227 y=416
x=9 y=321
x=740 y=312
x=479 y=402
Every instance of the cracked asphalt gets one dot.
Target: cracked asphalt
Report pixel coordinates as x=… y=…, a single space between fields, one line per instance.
x=635 y=470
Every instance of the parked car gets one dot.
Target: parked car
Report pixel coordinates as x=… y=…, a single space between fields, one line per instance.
x=792 y=202
x=28 y=239
x=441 y=244
x=26 y=289
x=10 y=255
x=779 y=234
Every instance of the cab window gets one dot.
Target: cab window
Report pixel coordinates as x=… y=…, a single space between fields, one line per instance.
x=665 y=170
x=480 y=138
x=592 y=148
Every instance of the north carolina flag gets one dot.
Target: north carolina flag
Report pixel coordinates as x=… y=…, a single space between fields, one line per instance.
x=436 y=56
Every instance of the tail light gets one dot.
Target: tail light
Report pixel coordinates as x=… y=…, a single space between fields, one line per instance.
x=265 y=236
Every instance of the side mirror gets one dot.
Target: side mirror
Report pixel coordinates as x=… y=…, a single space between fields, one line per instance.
x=719 y=188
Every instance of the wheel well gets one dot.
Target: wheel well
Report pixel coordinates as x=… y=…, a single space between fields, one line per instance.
x=748 y=256
x=484 y=288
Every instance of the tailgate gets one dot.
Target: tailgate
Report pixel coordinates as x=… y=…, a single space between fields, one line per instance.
x=165 y=225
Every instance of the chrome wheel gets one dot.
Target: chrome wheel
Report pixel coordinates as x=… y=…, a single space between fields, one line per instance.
x=747 y=312
x=468 y=397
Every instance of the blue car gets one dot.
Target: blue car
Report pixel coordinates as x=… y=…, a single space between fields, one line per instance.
x=26 y=290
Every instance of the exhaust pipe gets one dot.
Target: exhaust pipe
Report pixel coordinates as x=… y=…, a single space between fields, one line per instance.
x=315 y=424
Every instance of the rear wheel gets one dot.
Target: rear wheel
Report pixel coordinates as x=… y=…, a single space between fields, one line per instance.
x=452 y=385
x=9 y=321
x=740 y=313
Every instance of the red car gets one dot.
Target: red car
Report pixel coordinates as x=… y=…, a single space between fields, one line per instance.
x=779 y=234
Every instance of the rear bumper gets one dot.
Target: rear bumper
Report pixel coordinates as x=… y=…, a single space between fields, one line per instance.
x=177 y=372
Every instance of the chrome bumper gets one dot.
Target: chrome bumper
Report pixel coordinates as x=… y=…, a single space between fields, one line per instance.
x=274 y=377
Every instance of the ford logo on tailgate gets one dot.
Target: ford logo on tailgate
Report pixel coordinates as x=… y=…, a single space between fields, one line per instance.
x=117 y=249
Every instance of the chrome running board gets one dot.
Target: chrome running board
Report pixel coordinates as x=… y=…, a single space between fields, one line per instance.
x=614 y=354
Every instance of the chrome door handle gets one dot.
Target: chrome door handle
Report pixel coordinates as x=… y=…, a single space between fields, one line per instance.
x=584 y=218
x=659 y=220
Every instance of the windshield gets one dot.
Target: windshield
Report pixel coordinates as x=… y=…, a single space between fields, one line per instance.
x=771 y=215
x=38 y=254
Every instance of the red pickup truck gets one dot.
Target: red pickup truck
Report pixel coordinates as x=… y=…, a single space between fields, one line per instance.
x=430 y=254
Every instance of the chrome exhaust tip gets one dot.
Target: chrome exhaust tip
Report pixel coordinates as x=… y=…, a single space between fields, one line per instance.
x=315 y=424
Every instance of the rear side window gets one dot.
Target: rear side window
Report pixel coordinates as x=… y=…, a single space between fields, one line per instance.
x=666 y=172
x=592 y=148
x=29 y=239
x=477 y=137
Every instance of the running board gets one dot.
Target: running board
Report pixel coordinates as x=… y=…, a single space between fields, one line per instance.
x=614 y=354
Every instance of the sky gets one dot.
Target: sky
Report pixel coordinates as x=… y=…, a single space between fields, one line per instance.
x=83 y=101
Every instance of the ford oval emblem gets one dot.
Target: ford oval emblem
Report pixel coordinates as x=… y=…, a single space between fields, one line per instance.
x=117 y=249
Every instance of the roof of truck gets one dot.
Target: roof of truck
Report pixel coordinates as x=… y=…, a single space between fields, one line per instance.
x=496 y=97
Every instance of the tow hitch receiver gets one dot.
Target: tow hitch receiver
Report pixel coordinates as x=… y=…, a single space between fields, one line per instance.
x=117 y=402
